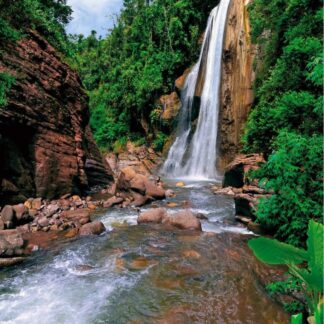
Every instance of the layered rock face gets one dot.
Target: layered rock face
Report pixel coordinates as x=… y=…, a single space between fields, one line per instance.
x=237 y=78
x=46 y=144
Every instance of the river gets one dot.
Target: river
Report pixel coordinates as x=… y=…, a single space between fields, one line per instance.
x=145 y=274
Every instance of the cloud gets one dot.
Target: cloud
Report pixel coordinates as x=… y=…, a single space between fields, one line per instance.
x=92 y=15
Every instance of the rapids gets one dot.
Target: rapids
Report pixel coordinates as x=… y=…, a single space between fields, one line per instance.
x=145 y=274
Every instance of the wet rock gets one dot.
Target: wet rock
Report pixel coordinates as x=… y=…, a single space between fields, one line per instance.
x=235 y=172
x=154 y=191
x=191 y=254
x=154 y=215
x=11 y=243
x=7 y=262
x=255 y=228
x=8 y=216
x=36 y=203
x=244 y=220
x=112 y=202
x=139 y=200
x=183 y=220
x=21 y=212
x=93 y=228
x=32 y=213
x=43 y=221
x=76 y=215
x=83 y=267
x=135 y=183
x=172 y=204
x=180 y=184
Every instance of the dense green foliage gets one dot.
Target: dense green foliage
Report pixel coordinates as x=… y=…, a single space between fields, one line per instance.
x=149 y=47
x=46 y=16
x=6 y=81
x=286 y=122
x=311 y=277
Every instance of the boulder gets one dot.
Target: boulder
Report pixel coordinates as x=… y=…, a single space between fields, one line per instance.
x=135 y=183
x=169 y=193
x=8 y=216
x=93 y=228
x=112 y=202
x=21 y=212
x=154 y=191
x=37 y=203
x=76 y=215
x=154 y=215
x=11 y=244
x=183 y=220
x=43 y=221
x=139 y=200
x=235 y=172
x=7 y=262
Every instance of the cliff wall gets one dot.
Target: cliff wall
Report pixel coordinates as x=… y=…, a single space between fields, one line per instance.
x=46 y=146
x=237 y=78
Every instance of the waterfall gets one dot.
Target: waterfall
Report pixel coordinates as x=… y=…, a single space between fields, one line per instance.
x=194 y=156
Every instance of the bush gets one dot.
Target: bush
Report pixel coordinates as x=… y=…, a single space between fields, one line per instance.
x=294 y=174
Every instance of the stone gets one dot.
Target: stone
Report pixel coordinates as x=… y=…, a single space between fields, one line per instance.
x=11 y=243
x=2 y=225
x=180 y=184
x=243 y=220
x=169 y=193
x=43 y=222
x=191 y=254
x=7 y=262
x=7 y=214
x=112 y=202
x=21 y=212
x=139 y=200
x=255 y=228
x=235 y=172
x=32 y=213
x=172 y=204
x=154 y=191
x=93 y=228
x=76 y=198
x=154 y=215
x=76 y=215
x=183 y=220
x=37 y=203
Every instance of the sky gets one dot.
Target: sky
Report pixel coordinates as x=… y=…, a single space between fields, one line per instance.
x=92 y=15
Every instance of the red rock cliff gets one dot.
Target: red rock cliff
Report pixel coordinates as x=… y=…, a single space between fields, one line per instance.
x=46 y=146
x=237 y=79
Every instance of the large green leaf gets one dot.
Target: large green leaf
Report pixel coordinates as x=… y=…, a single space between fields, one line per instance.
x=313 y=279
x=297 y=319
x=315 y=246
x=274 y=252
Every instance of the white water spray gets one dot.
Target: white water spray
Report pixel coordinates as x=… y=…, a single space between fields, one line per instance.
x=195 y=156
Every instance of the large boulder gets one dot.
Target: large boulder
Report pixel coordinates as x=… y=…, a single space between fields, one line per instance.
x=93 y=228
x=154 y=215
x=236 y=172
x=183 y=220
x=130 y=181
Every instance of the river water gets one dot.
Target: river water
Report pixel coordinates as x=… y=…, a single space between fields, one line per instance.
x=145 y=274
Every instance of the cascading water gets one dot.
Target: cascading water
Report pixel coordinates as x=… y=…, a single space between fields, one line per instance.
x=195 y=156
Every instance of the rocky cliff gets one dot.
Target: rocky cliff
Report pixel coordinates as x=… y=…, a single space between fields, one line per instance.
x=237 y=79
x=46 y=146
